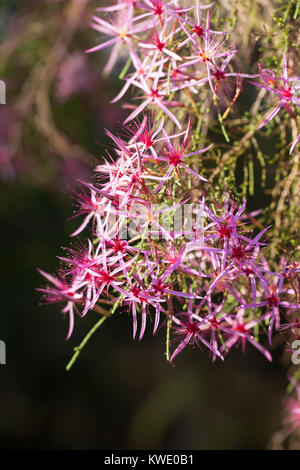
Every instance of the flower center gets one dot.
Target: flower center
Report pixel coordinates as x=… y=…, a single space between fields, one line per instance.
x=160 y=45
x=224 y=231
x=273 y=301
x=204 y=56
x=154 y=94
x=240 y=328
x=123 y=34
x=219 y=75
x=286 y=94
x=199 y=30
x=175 y=158
x=239 y=253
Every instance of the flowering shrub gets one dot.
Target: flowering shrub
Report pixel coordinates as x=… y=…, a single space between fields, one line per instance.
x=164 y=240
x=198 y=271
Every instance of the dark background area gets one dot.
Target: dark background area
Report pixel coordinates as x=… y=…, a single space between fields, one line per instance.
x=120 y=394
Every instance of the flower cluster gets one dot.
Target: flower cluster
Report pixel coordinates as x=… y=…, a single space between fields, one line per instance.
x=190 y=266
x=172 y=48
x=159 y=246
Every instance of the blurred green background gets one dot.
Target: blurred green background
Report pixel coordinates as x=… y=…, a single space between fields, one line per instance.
x=120 y=394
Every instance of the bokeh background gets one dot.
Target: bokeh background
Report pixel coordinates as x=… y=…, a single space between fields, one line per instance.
x=120 y=394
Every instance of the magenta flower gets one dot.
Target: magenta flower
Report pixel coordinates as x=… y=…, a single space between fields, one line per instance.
x=121 y=29
x=138 y=298
x=174 y=154
x=157 y=41
x=207 y=53
x=63 y=291
x=239 y=332
x=275 y=294
x=161 y=289
x=220 y=78
x=144 y=133
x=142 y=69
x=284 y=88
x=159 y=9
x=91 y=205
x=190 y=331
x=197 y=28
x=154 y=95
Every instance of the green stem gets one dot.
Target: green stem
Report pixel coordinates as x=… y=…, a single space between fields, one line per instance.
x=79 y=348
x=251 y=176
x=296 y=10
x=125 y=69
x=223 y=128
x=168 y=339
